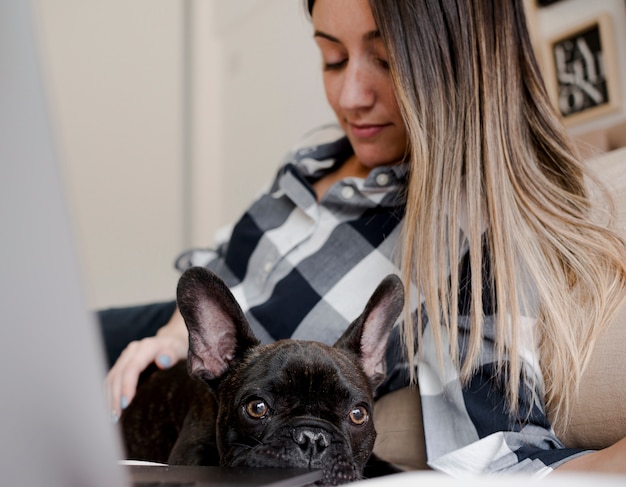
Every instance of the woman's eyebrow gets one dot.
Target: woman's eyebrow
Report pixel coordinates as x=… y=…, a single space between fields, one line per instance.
x=371 y=35
x=324 y=35
x=367 y=37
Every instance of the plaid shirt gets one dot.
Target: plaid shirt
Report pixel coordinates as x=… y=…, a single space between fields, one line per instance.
x=304 y=269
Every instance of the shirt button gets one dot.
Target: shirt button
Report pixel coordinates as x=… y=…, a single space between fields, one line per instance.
x=347 y=192
x=267 y=267
x=382 y=179
x=307 y=150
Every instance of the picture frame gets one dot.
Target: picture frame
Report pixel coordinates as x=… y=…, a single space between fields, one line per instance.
x=545 y=3
x=581 y=70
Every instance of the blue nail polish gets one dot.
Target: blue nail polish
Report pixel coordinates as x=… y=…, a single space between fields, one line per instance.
x=123 y=402
x=114 y=417
x=164 y=361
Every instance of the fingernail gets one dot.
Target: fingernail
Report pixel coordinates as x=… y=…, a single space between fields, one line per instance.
x=123 y=402
x=114 y=417
x=164 y=361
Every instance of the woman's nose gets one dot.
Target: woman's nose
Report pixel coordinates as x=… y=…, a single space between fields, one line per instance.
x=357 y=91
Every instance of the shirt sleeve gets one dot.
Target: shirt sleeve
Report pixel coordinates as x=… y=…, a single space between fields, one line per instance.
x=468 y=425
x=205 y=257
x=470 y=429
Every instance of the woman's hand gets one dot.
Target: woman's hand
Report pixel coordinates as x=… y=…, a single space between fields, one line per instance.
x=609 y=460
x=165 y=349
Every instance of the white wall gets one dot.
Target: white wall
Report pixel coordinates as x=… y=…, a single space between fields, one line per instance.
x=118 y=91
x=266 y=93
x=271 y=91
x=115 y=86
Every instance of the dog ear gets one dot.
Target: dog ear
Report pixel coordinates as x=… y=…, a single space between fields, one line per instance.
x=219 y=332
x=367 y=336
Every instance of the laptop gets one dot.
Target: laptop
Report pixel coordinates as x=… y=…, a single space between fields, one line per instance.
x=54 y=426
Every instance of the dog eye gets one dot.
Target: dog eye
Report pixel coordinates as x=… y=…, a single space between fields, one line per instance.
x=257 y=409
x=359 y=415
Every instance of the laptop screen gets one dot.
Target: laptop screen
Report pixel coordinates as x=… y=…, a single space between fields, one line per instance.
x=55 y=428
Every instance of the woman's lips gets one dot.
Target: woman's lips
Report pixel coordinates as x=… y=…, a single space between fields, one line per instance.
x=366 y=131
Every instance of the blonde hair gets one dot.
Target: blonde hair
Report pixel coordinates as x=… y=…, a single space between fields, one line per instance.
x=486 y=147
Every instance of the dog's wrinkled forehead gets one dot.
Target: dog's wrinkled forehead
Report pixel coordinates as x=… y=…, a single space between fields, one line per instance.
x=306 y=367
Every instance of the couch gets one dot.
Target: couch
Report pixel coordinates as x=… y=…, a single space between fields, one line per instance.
x=599 y=414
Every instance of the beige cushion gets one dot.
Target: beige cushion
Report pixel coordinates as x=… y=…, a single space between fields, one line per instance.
x=398 y=421
x=599 y=416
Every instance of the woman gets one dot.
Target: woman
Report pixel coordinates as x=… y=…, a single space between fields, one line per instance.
x=414 y=78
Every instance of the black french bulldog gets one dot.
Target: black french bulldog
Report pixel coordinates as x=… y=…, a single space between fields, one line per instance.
x=288 y=404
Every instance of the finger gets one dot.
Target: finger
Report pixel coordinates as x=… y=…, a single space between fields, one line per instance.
x=121 y=382
x=138 y=357
x=164 y=360
x=172 y=350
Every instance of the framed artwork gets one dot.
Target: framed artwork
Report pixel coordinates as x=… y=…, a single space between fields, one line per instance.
x=545 y=3
x=582 y=72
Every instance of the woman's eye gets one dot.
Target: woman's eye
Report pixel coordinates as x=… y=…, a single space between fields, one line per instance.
x=335 y=65
x=359 y=415
x=383 y=63
x=257 y=408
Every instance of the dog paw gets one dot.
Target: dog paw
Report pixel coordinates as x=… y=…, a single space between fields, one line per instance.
x=342 y=472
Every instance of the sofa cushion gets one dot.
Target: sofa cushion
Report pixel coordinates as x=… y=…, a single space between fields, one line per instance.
x=400 y=429
x=599 y=413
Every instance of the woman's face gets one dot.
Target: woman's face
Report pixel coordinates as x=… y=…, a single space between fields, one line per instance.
x=357 y=80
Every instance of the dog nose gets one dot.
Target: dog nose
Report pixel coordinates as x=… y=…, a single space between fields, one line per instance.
x=312 y=442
